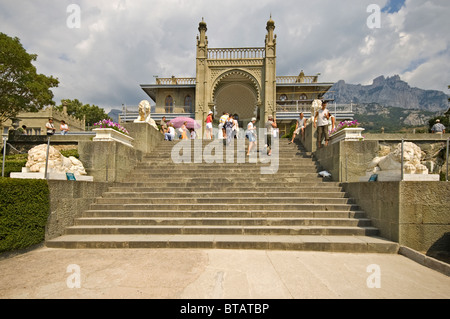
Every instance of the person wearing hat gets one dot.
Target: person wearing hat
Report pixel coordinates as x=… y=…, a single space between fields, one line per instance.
x=438 y=127
x=271 y=125
x=209 y=120
x=251 y=135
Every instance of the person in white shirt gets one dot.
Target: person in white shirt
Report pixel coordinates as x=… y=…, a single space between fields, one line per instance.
x=299 y=127
x=321 y=122
x=251 y=135
x=64 y=128
x=170 y=134
x=222 y=131
x=50 y=127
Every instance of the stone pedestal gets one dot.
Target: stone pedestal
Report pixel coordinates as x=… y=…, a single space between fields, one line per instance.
x=109 y=134
x=347 y=134
x=395 y=176
x=26 y=174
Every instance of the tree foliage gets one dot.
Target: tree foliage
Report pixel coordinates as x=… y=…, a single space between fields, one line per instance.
x=93 y=113
x=22 y=89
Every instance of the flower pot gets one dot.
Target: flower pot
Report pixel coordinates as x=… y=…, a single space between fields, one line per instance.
x=109 y=134
x=347 y=134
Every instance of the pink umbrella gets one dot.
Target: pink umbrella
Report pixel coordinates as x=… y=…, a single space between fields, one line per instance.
x=190 y=123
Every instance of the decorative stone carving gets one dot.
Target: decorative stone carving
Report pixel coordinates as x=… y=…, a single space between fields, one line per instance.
x=315 y=106
x=145 y=114
x=57 y=163
x=412 y=155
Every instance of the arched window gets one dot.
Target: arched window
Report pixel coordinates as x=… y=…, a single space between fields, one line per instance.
x=283 y=97
x=303 y=97
x=168 y=104
x=188 y=104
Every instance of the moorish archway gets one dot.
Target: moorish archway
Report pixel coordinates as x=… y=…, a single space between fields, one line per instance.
x=237 y=92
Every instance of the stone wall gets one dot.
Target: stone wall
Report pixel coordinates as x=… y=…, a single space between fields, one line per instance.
x=68 y=200
x=108 y=161
x=414 y=214
x=347 y=161
x=146 y=138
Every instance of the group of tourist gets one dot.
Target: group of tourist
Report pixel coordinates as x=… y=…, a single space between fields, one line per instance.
x=183 y=132
x=228 y=127
x=50 y=127
x=323 y=120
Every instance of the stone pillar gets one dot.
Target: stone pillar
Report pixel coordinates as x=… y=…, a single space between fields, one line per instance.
x=202 y=106
x=269 y=78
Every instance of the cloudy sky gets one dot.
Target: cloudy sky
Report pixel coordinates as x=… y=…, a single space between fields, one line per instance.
x=120 y=44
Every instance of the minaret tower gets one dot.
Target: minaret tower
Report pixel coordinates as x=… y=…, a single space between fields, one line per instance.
x=270 y=72
x=201 y=109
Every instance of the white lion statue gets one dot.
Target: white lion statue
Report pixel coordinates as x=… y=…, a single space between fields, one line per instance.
x=145 y=114
x=315 y=106
x=412 y=155
x=144 y=111
x=56 y=161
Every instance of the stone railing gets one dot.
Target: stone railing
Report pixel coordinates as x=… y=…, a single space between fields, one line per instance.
x=236 y=53
x=173 y=80
x=297 y=79
x=305 y=106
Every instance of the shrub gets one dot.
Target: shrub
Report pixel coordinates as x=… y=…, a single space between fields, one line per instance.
x=291 y=131
x=14 y=163
x=73 y=152
x=24 y=209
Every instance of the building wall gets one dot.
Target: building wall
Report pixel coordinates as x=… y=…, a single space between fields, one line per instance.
x=35 y=121
x=414 y=214
x=178 y=95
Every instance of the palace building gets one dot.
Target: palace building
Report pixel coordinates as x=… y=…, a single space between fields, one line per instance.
x=240 y=81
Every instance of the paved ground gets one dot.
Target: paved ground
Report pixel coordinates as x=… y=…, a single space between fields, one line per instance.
x=215 y=274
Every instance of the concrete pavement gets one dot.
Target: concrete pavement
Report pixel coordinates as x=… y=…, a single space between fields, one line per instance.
x=215 y=274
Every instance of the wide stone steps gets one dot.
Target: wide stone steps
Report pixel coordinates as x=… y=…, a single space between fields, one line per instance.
x=297 y=189
x=228 y=178
x=215 y=204
x=226 y=206
x=236 y=221
x=220 y=195
x=222 y=229
x=220 y=201
x=198 y=213
x=340 y=243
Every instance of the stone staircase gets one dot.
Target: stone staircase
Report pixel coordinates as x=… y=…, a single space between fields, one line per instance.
x=226 y=205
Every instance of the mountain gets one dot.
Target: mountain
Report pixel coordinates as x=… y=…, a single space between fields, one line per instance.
x=390 y=91
x=114 y=114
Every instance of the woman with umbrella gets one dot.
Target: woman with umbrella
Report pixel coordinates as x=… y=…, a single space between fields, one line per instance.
x=183 y=130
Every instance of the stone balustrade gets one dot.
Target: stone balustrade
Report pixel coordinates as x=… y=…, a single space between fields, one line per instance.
x=174 y=80
x=297 y=79
x=235 y=53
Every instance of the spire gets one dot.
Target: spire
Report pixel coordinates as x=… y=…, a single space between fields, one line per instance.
x=270 y=27
x=202 y=41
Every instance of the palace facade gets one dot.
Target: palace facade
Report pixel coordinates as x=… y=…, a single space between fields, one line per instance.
x=240 y=81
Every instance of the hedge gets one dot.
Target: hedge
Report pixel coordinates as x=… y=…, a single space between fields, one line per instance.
x=24 y=209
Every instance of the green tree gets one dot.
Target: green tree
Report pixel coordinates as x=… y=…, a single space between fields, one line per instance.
x=22 y=89
x=91 y=113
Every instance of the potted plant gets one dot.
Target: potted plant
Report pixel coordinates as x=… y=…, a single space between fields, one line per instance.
x=107 y=130
x=347 y=131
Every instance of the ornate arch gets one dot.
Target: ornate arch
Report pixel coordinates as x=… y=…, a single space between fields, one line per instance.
x=236 y=76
